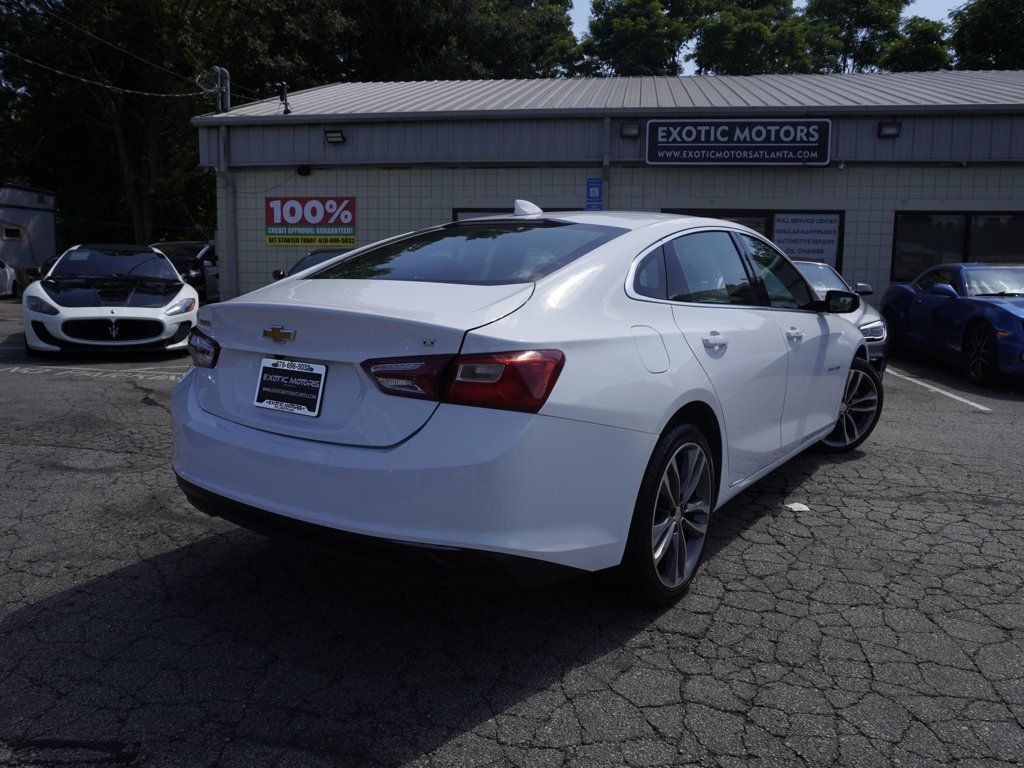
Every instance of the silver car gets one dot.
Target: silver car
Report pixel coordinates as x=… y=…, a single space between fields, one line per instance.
x=824 y=278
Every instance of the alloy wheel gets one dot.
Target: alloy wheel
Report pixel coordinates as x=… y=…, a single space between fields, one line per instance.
x=980 y=353
x=682 y=509
x=856 y=412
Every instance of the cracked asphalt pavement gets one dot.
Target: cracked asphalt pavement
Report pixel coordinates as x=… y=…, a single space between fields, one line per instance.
x=883 y=626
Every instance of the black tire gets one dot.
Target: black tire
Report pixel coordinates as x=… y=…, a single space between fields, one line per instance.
x=855 y=423
x=893 y=328
x=15 y=292
x=980 y=356
x=642 y=572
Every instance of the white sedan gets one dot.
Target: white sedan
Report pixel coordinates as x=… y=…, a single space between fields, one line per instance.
x=109 y=298
x=549 y=393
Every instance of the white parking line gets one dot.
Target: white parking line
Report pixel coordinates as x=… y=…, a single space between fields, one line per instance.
x=935 y=389
x=94 y=373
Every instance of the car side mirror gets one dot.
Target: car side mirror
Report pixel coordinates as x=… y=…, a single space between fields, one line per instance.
x=945 y=289
x=278 y=274
x=841 y=302
x=863 y=289
x=33 y=273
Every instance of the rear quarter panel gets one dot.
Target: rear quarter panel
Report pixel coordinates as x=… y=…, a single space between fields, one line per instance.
x=627 y=365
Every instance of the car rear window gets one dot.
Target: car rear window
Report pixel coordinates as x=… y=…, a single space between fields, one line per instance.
x=475 y=253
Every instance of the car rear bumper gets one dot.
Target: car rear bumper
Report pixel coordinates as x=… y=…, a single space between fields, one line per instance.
x=529 y=486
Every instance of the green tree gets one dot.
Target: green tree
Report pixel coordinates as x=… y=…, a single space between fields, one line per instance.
x=851 y=36
x=124 y=165
x=751 y=37
x=634 y=37
x=457 y=39
x=921 y=47
x=989 y=34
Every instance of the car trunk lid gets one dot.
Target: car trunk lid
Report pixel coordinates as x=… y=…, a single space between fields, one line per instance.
x=339 y=324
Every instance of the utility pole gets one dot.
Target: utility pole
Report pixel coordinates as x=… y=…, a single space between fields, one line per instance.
x=221 y=89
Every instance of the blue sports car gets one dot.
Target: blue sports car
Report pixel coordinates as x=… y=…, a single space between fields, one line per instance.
x=972 y=313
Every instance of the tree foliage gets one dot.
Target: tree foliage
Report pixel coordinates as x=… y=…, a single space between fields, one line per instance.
x=751 y=37
x=124 y=166
x=989 y=34
x=634 y=37
x=852 y=36
x=921 y=47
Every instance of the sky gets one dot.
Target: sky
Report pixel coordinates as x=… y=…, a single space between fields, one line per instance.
x=931 y=9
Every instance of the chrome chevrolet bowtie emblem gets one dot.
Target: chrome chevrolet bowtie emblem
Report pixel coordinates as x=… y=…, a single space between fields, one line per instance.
x=113 y=329
x=278 y=333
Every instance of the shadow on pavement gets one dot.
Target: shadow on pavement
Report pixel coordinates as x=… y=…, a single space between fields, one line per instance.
x=238 y=650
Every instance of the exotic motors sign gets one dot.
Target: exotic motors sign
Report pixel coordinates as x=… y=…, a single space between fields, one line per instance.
x=738 y=142
x=310 y=221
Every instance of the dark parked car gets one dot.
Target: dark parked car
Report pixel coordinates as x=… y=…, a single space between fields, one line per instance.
x=967 y=313
x=311 y=259
x=196 y=262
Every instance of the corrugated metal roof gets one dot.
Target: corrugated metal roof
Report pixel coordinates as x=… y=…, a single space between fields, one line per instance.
x=941 y=92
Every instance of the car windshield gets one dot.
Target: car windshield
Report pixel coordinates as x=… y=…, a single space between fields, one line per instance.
x=476 y=253
x=114 y=262
x=821 y=277
x=995 y=281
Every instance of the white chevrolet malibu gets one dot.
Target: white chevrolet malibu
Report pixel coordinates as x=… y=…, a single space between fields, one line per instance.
x=109 y=298
x=546 y=393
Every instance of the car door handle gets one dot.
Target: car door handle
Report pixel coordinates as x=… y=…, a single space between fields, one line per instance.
x=794 y=335
x=715 y=340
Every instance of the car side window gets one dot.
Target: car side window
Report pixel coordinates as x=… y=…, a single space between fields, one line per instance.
x=949 y=277
x=706 y=268
x=927 y=280
x=649 y=279
x=785 y=286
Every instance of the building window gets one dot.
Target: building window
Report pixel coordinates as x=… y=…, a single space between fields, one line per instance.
x=12 y=233
x=996 y=238
x=922 y=240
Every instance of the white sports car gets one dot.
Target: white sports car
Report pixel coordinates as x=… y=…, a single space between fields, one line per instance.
x=109 y=297
x=548 y=393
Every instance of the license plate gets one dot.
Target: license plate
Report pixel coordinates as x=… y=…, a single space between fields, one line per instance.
x=288 y=385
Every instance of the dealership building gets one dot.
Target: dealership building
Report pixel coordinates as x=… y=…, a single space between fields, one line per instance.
x=880 y=175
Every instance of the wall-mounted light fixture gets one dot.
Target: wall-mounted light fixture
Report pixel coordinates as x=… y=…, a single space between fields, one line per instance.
x=629 y=130
x=334 y=136
x=890 y=130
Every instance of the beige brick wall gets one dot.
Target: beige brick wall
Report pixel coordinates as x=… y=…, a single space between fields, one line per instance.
x=391 y=201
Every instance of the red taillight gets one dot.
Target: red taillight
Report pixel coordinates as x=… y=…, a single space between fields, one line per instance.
x=513 y=381
x=203 y=349
x=420 y=377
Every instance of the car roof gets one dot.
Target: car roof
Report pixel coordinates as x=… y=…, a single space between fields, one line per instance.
x=631 y=220
x=113 y=247
x=975 y=265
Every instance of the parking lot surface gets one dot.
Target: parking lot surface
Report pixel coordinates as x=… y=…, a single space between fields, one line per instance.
x=882 y=625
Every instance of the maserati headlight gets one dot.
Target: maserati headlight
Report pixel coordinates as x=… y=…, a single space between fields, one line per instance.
x=36 y=304
x=874 y=331
x=181 y=307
